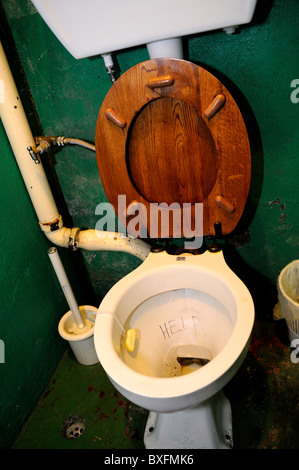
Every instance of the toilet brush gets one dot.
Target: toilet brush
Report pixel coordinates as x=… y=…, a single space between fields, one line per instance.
x=66 y=288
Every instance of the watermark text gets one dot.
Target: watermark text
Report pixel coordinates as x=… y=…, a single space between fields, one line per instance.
x=2 y=352
x=295 y=93
x=295 y=352
x=164 y=219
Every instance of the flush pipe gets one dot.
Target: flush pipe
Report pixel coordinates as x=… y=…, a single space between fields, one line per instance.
x=157 y=49
x=166 y=48
x=19 y=134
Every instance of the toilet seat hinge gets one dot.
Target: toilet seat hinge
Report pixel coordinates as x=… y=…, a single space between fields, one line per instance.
x=215 y=246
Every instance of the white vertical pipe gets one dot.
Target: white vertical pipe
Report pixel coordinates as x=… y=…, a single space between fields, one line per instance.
x=20 y=137
x=65 y=285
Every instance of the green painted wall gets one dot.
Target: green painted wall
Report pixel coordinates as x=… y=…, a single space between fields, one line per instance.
x=30 y=303
x=257 y=64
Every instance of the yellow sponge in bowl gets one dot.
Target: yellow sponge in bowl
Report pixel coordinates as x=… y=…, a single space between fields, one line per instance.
x=130 y=339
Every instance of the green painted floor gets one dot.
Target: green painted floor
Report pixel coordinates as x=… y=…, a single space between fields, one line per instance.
x=264 y=395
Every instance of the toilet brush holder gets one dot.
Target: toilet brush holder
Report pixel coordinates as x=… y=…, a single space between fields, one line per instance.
x=81 y=340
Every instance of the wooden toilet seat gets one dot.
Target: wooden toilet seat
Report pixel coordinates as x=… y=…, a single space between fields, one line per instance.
x=168 y=131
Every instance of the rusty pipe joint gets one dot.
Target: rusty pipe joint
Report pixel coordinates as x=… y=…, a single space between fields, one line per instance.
x=73 y=238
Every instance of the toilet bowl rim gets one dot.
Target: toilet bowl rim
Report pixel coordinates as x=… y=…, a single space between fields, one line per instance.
x=156 y=387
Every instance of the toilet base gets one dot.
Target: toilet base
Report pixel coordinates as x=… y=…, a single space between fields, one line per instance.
x=205 y=426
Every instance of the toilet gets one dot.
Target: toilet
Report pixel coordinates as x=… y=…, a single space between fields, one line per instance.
x=169 y=135
x=174 y=159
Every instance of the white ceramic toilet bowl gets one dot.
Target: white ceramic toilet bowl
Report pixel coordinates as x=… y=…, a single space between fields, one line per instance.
x=172 y=301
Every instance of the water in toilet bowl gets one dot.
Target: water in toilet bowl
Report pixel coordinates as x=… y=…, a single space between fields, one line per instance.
x=168 y=322
x=184 y=359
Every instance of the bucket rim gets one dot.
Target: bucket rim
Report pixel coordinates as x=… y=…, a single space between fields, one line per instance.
x=279 y=282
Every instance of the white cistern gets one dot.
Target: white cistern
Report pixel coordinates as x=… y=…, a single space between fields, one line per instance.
x=99 y=27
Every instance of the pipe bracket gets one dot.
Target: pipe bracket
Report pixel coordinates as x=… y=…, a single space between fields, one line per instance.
x=33 y=155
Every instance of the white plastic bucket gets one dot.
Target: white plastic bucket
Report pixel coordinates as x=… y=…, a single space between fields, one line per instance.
x=288 y=298
x=293 y=329
x=81 y=341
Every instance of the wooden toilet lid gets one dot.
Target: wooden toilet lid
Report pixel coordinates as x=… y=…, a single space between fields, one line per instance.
x=168 y=131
